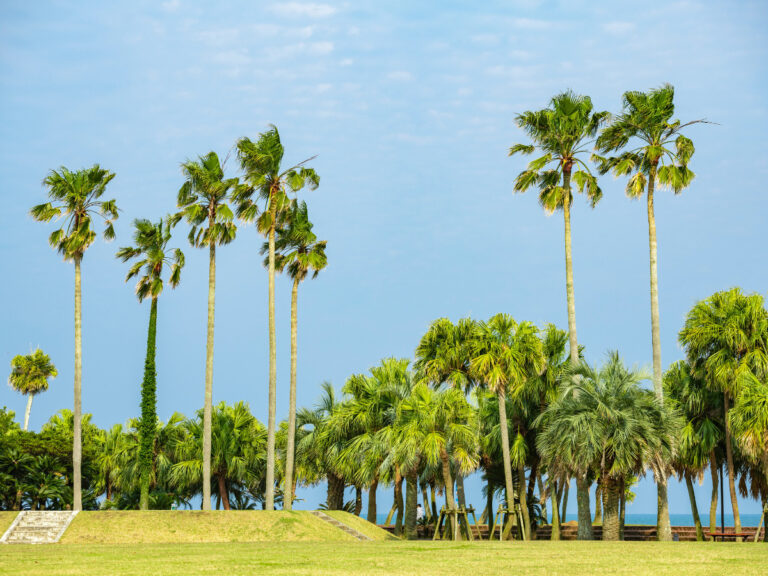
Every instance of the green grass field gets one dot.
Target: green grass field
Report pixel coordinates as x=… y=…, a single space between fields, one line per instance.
x=387 y=558
x=6 y=518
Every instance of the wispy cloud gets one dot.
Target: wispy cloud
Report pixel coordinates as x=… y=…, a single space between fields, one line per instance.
x=171 y=5
x=400 y=76
x=617 y=27
x=303 y=9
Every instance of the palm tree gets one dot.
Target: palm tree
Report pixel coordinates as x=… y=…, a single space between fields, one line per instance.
x=237 y=455
x=75 y=196
x=151 y=241
x=563 y=133
x=505 y=355
x=298 y=250
x=29 y=375
x=701 y=409
x=605 y=423
x=261 y=161
x=726 y=337
x=436 y=428
x=202 y=202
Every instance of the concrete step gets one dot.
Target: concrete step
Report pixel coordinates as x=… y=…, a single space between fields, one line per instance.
x=38 y=527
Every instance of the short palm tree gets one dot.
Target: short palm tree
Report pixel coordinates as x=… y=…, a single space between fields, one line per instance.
x=29 y=375
x=151 y=247
x=563 y=133
x=76 y=197
x=436 y=428
x=261 y=162
x=299 y=252
x=726 y=337
x=202 y=201
x=505 y=354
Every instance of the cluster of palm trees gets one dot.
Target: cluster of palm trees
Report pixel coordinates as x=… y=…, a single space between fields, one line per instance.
x=265 y=194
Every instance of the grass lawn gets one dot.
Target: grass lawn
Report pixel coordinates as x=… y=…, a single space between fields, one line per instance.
x=183 y=526
x=388 y=558
x=6 y=519
x=361 y=525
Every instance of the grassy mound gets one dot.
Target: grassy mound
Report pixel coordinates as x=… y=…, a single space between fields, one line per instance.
x=6 y=519
x=180 y=526
x=361 y=525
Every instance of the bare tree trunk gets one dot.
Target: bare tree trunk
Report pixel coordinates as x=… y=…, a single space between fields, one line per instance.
x=564 y=507
x=335 y=497
x=372 y=501
x=622 y=508
x=573 y=341
x=694 y=508
x=542 y=496
x=77 y=425
x=450 y=503
x=411 y=500
x=663 y=526
x=460 y=491
x=555 y=511
x=358 y=500
x=611 y=509
x=399 y=502
x=585 y=517
x=270 y=491
x=510 y=493
x=433 y=500
x=425 y=498
x=27 y=411
x=289 y=453
x=713 y=500
x=223 y=493
x=524 y=501
x=731 y=473
x=208 y=405
x=598 y=503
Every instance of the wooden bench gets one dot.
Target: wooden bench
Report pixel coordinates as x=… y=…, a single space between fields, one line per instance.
x=726 y=535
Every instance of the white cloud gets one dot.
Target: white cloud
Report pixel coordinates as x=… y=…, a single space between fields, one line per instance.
x=305 y=9
x=320 y=48
x=346 y=62
x=618 y=28
x=400 y=76
x=219 y=36
x=171 y=5
x=532 y=24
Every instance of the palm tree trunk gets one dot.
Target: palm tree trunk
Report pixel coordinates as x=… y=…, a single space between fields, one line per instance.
x=411 y=499
x=694 y=508
x=450 y=504
x=713 y=500
x=425 y=499
x=573 y=341
x=524 y=501
x=622 y=508
x=555 y=512
x=510 y=494
x=27 y=411
x=729 y=464
x=433 y=500
x=372 y=501
x=663 y=526
x=270 y=490
x=460 y=496
x=358 y=500
x=564 y=507
x=542 y=495
x=223 y=493
x=585 y=517
x=335 y=496
x=77 y=445
x=611 y=509
x=489 y=508
x=398 y=502
x=598 y=503
x=289 y=452
x=148 y=423
x=208 y=405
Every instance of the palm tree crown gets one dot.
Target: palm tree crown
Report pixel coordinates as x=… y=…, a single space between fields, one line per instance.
x=297 y=248
x=30 y=372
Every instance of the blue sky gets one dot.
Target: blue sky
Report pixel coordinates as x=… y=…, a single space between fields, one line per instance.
x=410 y=108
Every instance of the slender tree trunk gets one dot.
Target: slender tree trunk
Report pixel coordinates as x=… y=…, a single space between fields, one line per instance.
x=425 y=498
x=543 y=496
x=622 y=508
x=585 y=517
x=148 y=423
x=524 y=501
x=564 y=507
x=489 y=508
x=731 y=473
x=460 y=491
x=27 y=411
x=555 y=511
x=694 y=508
x=713 y=500
x=510 y=494
x=433 y=500
x=598 y=503
x=223 y=493
x=335 y=496
x=391 y=513
x=208 y=405
x=270 y=491
x=358 y=500
x=289 y=452
x=77 y=440
x=399 y=502
x=609 y=491
x=450 y=504
x=663 y=526
x=573 y=341
x=372 y=501
x=411 y=500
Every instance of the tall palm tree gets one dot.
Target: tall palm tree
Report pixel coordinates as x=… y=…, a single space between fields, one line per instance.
x=658 y=153
x=299 y=251
x=29 y=375
x=202 y=201
x=702 y=433
x=563 y=133
x=151 y=246
x=726 y=337
x=505 y=355
x=261 y=162
x=76 y=197
x=437 y=428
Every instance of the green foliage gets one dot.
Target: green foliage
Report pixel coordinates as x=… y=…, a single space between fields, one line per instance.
x=30 y=373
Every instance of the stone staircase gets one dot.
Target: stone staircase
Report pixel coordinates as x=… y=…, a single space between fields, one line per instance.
x=43 y=527
x=341 y=526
